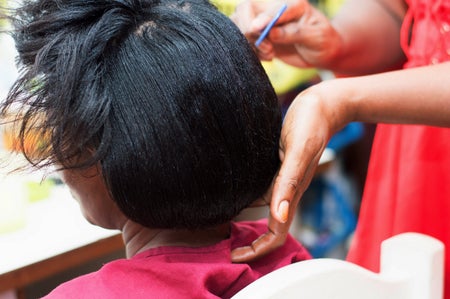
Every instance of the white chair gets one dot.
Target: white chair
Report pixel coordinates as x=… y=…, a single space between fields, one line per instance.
x=412 y=267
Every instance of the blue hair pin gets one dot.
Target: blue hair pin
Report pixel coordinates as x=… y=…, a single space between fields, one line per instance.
x=270 y=25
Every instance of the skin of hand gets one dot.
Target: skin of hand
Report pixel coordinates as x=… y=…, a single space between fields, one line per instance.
x=411 y=96
x=307 y=128
x=302 y=36
x=363 y=38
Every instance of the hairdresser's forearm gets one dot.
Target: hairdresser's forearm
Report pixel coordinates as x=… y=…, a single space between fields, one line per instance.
x=412 y=96
x=370 y=34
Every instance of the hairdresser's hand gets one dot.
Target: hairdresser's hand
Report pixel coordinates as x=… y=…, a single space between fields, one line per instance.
x=311 y=120
x=303 y=36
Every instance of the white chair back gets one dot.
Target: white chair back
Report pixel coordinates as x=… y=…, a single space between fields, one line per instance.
x=412 y=267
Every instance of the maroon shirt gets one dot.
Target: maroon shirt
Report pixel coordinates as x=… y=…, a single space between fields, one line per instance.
x=183 y=272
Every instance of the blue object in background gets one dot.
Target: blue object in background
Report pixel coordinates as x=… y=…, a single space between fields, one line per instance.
x=348 y=135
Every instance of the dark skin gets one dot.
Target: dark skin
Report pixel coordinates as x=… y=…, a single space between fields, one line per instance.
x=362 y=39
x=305 y=37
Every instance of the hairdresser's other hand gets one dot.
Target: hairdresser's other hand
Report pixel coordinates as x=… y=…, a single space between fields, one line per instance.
x=310 y=121
x=303 y=36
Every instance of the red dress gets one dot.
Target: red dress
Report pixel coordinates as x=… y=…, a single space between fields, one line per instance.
x=408 y=181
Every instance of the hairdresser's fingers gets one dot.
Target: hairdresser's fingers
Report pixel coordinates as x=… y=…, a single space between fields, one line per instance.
x=290 y=33
x=278 y=226
x=304 y=136
x=243 y=16
x=311 y=41
x=265 y=50
x=287 y=26
x=290 y=184
x=300 y=20
x=294 y=11
x=266 y=243
x=294 y=177
x=251 y=17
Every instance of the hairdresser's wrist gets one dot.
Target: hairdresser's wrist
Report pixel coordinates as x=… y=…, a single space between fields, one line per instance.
x=337 y=102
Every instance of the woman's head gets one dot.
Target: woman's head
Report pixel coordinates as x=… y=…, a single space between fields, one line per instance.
x=166 y=96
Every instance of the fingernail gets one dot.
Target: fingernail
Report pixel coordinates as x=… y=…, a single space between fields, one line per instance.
x=283 y=211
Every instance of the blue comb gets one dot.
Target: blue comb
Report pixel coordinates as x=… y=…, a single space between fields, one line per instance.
x=270 y=25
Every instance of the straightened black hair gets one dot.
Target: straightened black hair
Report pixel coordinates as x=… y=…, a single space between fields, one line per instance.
x=166 y=95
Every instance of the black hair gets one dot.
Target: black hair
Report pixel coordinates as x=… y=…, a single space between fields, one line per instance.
x=166 y=95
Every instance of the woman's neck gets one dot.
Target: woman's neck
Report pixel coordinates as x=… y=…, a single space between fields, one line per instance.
x=139 y=238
